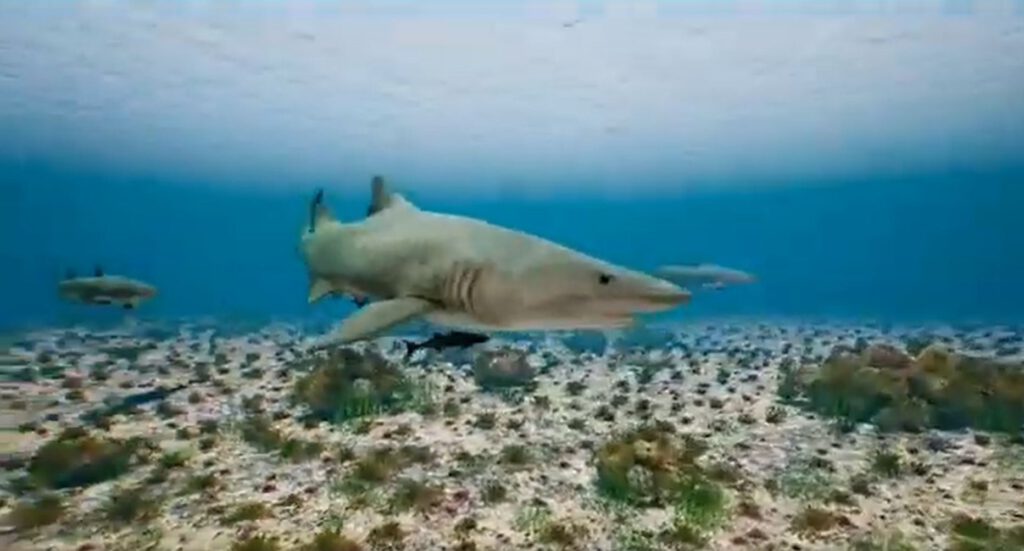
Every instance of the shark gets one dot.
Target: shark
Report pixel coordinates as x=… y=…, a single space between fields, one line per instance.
x=103 y=289
x=464 y=273
x=705 y=276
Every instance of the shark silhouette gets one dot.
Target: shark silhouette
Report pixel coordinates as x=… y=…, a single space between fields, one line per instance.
x=465 y=273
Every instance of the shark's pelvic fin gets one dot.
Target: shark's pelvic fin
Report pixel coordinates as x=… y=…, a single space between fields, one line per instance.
x=376 y=318
x=318 y=289
x=382 y=198
x=99 y=271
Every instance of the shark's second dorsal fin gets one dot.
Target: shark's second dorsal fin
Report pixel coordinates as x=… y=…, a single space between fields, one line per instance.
x=318 y=211
x=382 y=198
x=99 y=271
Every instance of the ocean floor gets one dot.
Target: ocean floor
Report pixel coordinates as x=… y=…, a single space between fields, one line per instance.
x=194 y=438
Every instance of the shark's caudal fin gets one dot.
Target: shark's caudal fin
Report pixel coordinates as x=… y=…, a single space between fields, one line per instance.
x=376 y=318
x=381 y=198
x=411 y=348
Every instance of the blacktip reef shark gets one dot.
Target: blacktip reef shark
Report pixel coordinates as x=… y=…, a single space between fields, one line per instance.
x=464 y=273
x=705 y=276
x=103 y=289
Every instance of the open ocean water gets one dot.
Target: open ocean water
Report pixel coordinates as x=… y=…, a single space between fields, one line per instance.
x=863 y=161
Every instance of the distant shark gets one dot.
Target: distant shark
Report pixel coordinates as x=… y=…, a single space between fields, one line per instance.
x=105 y=290
x=464 y=273
x=705 y=276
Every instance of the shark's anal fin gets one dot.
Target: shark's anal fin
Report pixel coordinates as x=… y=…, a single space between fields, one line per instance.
x=376 y=318
x=318 y=289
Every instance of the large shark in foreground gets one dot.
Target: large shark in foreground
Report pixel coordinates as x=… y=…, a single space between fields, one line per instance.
x=465 y=273
x=705 y=276
x=103 y=289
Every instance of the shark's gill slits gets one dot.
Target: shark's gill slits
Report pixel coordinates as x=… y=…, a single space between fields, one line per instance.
x=459 y=286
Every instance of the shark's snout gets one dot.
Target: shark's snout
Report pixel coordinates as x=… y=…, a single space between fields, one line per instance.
x=650 y=294
x=669 y=294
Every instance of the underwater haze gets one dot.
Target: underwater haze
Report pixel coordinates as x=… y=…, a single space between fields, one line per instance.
x=863 y=159
x=237 y=314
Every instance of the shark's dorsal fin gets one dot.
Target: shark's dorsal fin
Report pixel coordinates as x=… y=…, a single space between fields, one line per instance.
x=318 y=211
x=99 y=271
x=381 y=198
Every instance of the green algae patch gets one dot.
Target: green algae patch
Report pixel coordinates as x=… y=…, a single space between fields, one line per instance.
x=883 y=386
x=502 y=369
x=969 y=533
x=76 y=458
x=36 y=512
x=652 y=466
x=345 y=384
x=645 y=466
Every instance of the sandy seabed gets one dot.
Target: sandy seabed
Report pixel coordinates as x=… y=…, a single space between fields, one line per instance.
x=715 y=382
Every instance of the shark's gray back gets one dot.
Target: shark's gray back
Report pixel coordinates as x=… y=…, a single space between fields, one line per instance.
x=447 y=238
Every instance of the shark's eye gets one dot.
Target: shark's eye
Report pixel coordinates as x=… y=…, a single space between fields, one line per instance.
x=604 y=279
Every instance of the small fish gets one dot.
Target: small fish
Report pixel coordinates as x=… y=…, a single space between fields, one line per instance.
x=453 y=339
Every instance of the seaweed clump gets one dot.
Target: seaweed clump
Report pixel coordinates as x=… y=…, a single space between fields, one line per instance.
x=36 y=512
x=76 y=458
x=971 y=533
x=345 y=384
x=331 y=540
x=651 y=466
x=499 y=369
x=937 y=389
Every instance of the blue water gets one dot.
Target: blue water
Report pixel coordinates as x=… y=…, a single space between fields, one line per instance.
x=938 y=249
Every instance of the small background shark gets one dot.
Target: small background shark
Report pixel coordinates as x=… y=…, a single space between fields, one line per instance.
x=105 y=290
x=705 y=276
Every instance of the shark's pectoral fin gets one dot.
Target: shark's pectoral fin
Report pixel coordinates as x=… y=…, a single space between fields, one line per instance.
x=376 y=318
x=318 y=289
